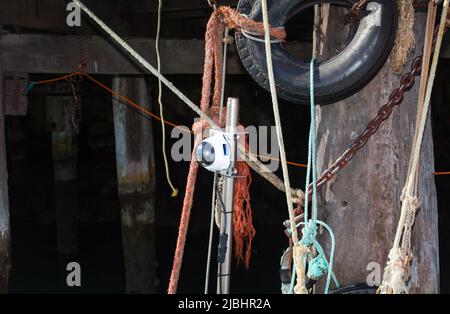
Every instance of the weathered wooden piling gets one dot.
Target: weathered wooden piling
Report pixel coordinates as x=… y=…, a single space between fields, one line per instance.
x=362 y=204
x=5 y=259
x=65 y=156
x=136 y=184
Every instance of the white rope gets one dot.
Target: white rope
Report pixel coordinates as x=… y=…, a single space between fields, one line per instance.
x=253 y=36
x=145 y=63
x=161 y=109
x=276 y=113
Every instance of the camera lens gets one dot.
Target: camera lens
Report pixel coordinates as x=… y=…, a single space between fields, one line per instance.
x=205 y=153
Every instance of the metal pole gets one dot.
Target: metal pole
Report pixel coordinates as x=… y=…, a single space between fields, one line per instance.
x=226 y=222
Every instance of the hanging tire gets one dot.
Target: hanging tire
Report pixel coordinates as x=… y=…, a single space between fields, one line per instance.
x=335 y=79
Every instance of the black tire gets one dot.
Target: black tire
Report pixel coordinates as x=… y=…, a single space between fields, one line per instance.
x=336 y=78
x=360 y=288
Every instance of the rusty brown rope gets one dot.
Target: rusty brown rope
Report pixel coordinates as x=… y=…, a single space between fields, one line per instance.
x=234 y=20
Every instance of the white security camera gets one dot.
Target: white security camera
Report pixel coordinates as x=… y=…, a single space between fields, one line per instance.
x=214 y=152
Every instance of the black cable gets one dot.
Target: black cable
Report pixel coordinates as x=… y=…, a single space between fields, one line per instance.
x=223 y=237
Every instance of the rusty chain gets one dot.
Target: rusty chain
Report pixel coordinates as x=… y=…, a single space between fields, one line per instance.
x=406 y=83
x=75 y=84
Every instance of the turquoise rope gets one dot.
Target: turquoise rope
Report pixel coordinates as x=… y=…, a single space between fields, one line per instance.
x=319 y=264
x=312 y=143
x=330 y=273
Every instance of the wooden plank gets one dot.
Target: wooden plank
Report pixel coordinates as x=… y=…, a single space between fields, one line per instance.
x=362 y=203
x=143 y=6
x=136 y=181
x=5 y=259
x=60 y=54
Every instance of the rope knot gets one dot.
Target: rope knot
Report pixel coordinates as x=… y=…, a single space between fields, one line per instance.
x=234 y=20
x=317 y=267
x=309 y=233
x=199 y=126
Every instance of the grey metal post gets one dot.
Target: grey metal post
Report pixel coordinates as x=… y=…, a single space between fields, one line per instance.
x=226 y=222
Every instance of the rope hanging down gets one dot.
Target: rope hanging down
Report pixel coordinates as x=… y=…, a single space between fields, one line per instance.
x=210 y=52
x=318 y=265
x=276 y=113
x=161 y=109
x=396 y=273
x=214 y=204
x=303 y=251
x=243 y=229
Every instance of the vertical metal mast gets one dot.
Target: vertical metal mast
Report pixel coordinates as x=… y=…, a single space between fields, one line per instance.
x=226 y=222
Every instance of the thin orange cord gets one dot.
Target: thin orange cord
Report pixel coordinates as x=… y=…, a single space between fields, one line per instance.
x=157 y=117
x=132 y=103
x=61 y=78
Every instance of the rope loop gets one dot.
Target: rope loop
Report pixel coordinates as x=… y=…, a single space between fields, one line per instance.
x=318 y=266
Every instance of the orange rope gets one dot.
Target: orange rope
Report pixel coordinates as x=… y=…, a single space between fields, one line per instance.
x=61 y=78
x=193 y=167
x=244 y=231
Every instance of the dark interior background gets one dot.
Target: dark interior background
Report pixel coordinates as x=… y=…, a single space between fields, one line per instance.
x=36 y=265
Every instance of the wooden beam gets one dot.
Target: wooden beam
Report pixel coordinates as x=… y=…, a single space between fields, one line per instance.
x=5 y=259
x=60 y=54
x=136 y=183
x=51 y=15
x=143 y=6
